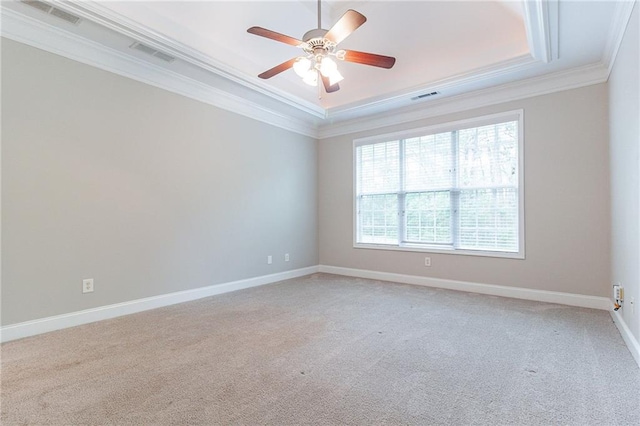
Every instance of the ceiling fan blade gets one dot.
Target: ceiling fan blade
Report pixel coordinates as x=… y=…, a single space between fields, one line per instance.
x=277 y=69
x=263 y=32
x=348 y=23
x=327 y=86
x=369 y=59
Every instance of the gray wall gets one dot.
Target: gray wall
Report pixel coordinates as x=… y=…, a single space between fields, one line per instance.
x=566 y=202
x=143 y=190
x=624 y=118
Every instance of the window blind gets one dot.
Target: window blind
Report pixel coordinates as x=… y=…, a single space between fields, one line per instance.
x=378 y=176
x=456 y=189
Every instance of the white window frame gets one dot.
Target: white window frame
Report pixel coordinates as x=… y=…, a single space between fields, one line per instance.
x=514 y=115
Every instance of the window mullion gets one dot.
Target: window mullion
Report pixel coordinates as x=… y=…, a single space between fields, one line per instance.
x=358 y=206
x=455 y=191
x=402 y=226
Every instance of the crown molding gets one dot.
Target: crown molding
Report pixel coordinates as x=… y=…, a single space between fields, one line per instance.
x=95 y=12
x=471 y=78
x=536 y=86
x=621 y=17
x=26 y=30
x=541 y=23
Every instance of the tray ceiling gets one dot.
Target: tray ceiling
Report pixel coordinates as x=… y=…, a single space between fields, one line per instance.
x=449 y=47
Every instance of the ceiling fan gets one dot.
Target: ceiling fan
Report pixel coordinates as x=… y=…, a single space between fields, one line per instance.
x=319 y=46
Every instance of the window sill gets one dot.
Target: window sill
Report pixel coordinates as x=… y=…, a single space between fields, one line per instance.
x=409 y=248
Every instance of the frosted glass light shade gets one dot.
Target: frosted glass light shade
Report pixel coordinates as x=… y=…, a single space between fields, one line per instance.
x=328 y=66
x=311 y=77
x=301 y=66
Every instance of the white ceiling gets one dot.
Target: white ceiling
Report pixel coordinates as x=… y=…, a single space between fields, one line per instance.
x=430 y=40
x=452 y=47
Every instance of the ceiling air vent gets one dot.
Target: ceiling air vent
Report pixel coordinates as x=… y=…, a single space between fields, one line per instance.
x=49 y=9
x=65 y=15
x=164 y=57
x=424 y=95
x=153 y=52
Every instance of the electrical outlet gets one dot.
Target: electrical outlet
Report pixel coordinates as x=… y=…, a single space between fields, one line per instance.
x=427 y=261
x=269 y=260
x=87 y=285
x=618 y=292
x=286 y=257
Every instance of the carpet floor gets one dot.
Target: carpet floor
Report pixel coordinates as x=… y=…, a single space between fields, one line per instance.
x=327 y=349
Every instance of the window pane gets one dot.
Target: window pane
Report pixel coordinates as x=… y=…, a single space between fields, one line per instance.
x=378 y=219
x=428 y=163
x=378 y=168
x=428 y=216
x=488 y=156
x=489 y=219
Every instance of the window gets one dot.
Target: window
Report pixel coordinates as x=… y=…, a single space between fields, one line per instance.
x=453 y=188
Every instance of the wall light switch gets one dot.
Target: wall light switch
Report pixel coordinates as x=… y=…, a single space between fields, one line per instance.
x=269 y=260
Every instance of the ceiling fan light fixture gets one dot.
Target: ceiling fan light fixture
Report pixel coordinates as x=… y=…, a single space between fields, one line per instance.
x=311 y=77
x=318 y=44
x=302 y=66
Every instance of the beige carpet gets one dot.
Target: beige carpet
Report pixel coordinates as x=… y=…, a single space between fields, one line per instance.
x=326 y=349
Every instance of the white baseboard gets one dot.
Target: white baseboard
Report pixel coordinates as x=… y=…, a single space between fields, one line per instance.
x=627 y=336
x=44 y=325
x=571 y=299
